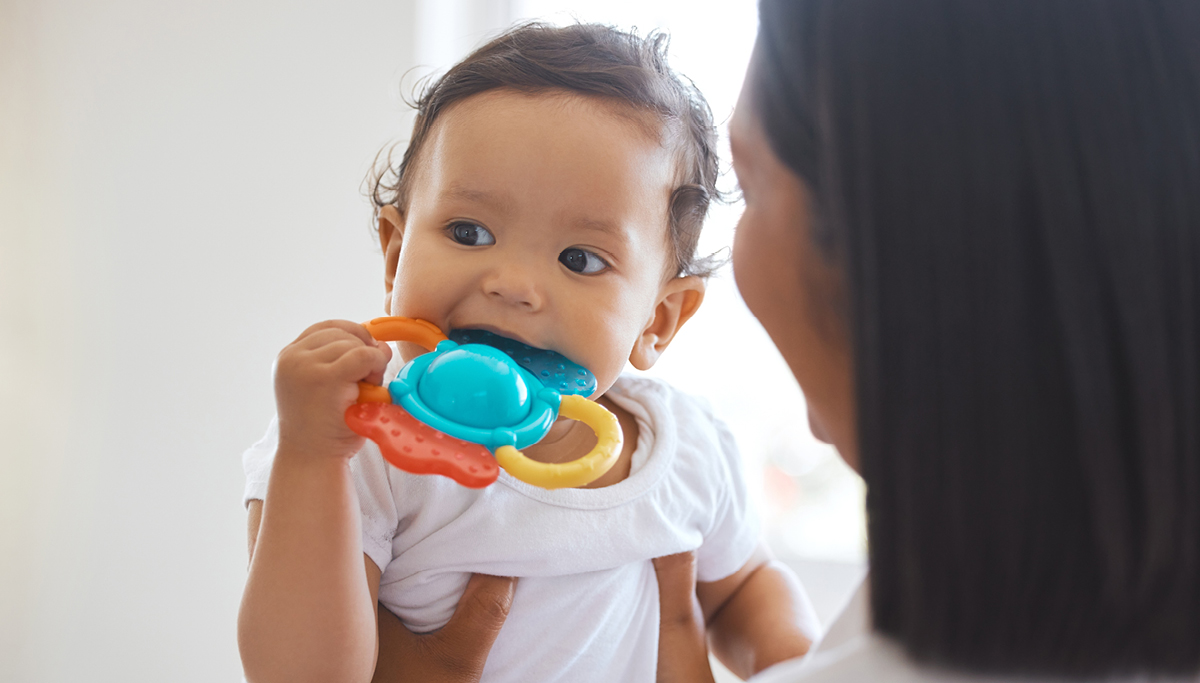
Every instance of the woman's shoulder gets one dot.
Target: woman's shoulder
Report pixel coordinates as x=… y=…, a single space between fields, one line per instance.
x=871 y=657
x=851 y=651
x=866 y=657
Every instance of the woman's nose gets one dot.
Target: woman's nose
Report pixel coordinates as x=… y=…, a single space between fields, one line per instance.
x=514 y=285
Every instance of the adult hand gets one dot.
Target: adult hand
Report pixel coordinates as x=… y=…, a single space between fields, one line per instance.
x=682 y=648
x=457 y=652
x=454 y=653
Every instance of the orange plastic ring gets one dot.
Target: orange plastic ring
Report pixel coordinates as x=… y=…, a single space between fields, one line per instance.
x=397 y=328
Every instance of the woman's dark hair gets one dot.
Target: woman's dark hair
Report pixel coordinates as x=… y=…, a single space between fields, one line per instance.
x=1012 y=191
x=591 y=60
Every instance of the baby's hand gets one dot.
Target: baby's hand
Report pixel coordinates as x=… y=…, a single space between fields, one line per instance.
x=316 y=380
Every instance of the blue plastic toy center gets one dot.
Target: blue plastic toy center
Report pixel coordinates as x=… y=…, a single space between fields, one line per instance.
x=487 y=389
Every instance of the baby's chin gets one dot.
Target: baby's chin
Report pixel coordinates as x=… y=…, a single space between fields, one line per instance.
x=602 y=387
x=606 y=374
x=408 y=350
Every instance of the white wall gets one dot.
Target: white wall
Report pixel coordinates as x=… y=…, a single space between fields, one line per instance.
x=179 y=198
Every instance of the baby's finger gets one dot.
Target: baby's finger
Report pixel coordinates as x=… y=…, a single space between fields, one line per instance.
x=360 y=363
x=355 y=329
x=377 y=377
x=306 y=357
x=336 y=347
x=316 y=338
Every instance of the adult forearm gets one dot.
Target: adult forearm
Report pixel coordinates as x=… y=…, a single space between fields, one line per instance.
x=307 y=612
x=768 y=620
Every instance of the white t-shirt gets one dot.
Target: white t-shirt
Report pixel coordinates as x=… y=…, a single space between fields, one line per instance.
x=851 y=652
x=586 y=606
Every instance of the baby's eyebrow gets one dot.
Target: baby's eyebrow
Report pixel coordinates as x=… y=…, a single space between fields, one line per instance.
x=504 y=203
x=599 y=225
x=474 y=196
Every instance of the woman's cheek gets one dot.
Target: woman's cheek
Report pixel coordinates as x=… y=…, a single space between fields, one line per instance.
x=816 y=426
x=749 y=272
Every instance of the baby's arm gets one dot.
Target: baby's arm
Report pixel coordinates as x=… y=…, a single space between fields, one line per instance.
x=308 y=610
x=758 y=616
x=455 y=653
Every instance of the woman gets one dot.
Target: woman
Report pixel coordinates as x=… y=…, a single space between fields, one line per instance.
x=973 y=231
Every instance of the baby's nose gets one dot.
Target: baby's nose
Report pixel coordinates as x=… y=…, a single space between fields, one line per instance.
x=515 y=285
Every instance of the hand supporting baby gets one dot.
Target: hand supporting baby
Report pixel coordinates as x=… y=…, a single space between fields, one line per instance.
x=457 y=652
x=454 y=653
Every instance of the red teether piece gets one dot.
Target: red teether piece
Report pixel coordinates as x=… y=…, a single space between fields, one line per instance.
x=415 y=447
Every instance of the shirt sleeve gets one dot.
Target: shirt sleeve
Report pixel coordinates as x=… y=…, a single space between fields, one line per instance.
x=256 y=463
x=380 y=517
x=735 y=531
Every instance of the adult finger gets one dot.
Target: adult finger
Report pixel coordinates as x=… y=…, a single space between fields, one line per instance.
x=682 y=650
x=483 y=608
x=467 y=638
x=400 y=658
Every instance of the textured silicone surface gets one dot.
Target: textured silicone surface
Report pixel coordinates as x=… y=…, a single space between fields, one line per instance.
x=418 y=448
x=553 y=369
x=539 y=413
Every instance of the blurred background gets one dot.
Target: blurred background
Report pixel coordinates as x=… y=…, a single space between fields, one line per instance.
x=180 y=196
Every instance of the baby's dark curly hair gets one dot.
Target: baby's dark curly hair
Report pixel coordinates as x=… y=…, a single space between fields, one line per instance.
x=590 y=60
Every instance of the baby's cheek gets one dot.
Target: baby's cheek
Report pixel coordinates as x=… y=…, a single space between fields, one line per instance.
x=604 y=334
x=413 y=301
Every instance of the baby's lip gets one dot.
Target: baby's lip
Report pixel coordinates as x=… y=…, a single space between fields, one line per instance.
x=500 y=331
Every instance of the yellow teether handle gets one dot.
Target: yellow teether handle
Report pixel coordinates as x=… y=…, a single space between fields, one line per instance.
x=579 y=472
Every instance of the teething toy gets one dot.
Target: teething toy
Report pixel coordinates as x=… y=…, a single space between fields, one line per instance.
x=474 y=394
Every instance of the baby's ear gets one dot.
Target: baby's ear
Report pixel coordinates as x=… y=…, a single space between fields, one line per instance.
x=391 y=236
x=677 y=303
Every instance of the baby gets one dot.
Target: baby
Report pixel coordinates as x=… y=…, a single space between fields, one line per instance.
x=552 y=192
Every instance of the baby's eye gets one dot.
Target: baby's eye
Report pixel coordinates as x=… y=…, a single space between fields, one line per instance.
x=581 y=261
x=471 y=234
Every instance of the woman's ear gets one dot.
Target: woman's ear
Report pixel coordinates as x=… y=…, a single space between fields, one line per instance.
x=391 y=237
x=677 y=303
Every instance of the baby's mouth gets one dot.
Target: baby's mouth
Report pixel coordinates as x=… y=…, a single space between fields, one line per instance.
x=553 y=369
x=495 y=331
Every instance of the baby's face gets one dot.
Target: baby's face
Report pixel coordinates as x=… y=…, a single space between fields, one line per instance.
x=542 y=218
